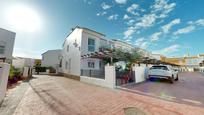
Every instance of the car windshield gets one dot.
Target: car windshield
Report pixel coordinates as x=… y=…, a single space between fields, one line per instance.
x=159 y=67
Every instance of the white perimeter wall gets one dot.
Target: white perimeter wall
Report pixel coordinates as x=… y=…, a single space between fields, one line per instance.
x=7 y=39
x=141 y=73
x=4 y=73
x=109 y=81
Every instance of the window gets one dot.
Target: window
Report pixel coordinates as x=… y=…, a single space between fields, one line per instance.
x=91 y=64
x=66 y=65
x=91 y=45
x=159 y=67
x=60 y=64
x=2 y=48
x=67 y=48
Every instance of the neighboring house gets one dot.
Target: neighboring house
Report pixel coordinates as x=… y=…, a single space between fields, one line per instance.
x=20 y=62
x=122 y=45
x=82 y=41
x=37 y=62
x=51 y=58
x=7 y=39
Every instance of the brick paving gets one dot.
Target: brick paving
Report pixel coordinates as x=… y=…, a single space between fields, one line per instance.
x=62 y=96
x=188 y=90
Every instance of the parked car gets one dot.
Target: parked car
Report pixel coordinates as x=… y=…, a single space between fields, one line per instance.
x=164 y=72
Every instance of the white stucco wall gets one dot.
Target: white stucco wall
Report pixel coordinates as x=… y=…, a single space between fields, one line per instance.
x=100 y=41
x=7 y=39
x=51 y=58
x=140 y=73
x=109 y=81
x=19 y=62
x=73 y=56
x=80 y=37
x=4 y=73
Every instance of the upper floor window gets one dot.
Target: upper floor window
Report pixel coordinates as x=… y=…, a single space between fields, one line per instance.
x=91 y=45
x=60 y=64
x=2 y=48
x=67 y=48
x=66 y=65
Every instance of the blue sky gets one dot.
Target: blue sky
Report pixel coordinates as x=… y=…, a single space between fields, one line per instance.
x=168 y=27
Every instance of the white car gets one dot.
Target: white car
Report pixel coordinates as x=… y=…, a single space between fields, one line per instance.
x=163 y=71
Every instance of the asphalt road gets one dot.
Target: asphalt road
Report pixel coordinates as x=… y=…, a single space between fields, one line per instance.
x=188 y=90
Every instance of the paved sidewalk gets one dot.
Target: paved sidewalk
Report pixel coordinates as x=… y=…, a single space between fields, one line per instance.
x=13 y=98
x=62 y=96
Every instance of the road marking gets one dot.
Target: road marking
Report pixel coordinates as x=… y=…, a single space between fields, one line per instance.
x=192 y=101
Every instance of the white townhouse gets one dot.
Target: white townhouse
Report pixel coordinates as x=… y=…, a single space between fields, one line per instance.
x=20 y=62
x=7 y=39
x=82 y=41
x=51 y=58
x=118 y=44
x=123 y=45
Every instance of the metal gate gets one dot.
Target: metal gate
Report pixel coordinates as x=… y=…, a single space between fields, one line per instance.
x=124 y=77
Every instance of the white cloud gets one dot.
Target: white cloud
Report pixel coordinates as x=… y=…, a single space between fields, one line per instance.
x=184 y=30
x=155 y=36
x=113 y=17
x=168 y=26
x=121 y=1
x=130 y=22
x=146 y=21
x=192 y=25
x=200 y=22
x=144 y=45
x=168 y=50
x=105 y=6
x=141 y=42
x=159 y=10
x=126 y=17
x=162 y=8
x=101 y=13
x=132 y=9
x=127 y=40
x=129 y=32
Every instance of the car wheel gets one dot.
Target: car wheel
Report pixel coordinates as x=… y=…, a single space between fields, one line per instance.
x=176 y=78
x=171 y=79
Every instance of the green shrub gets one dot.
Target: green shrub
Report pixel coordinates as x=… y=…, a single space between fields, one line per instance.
x=14 y=72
